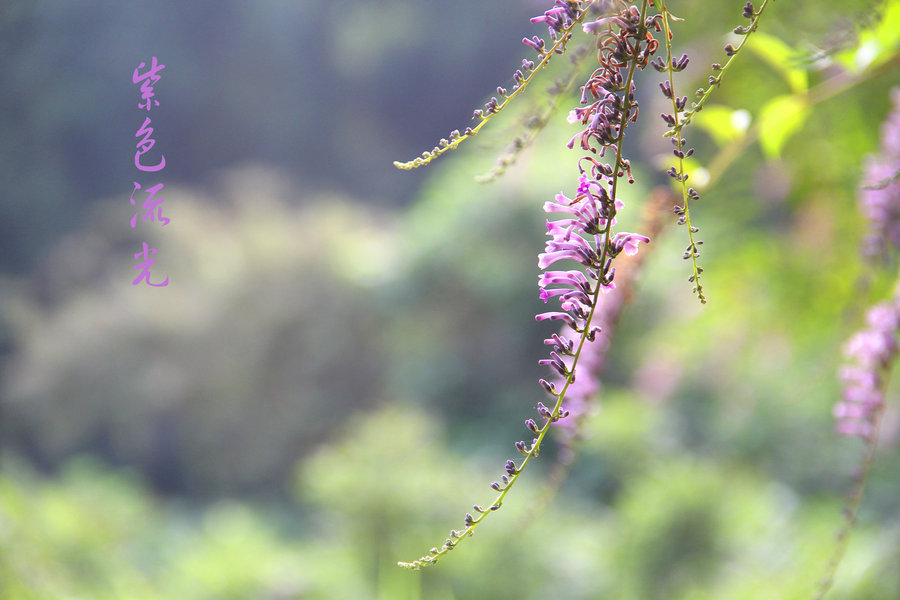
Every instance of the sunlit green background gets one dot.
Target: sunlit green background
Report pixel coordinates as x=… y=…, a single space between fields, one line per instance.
x=346 y=352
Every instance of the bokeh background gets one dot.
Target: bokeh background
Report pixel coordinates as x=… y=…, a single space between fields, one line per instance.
x=346 y=352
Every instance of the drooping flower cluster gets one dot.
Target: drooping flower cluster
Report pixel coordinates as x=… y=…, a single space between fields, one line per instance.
x=673 y=121
x=879 y=199
x=583 y=390
x=582 y=237
x=584 y=234
x=681 y=116
x=870 y=353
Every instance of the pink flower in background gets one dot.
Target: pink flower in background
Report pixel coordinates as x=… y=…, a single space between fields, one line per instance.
x=879 y=199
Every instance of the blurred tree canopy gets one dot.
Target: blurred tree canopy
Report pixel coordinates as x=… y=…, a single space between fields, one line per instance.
x=346 y=352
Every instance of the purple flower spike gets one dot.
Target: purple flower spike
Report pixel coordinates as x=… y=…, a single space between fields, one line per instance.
x=879 y=200
x=869 y=352
x=584 y=234
x=628 y=242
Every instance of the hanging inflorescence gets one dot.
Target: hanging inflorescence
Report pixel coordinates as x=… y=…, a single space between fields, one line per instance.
x=583 y=235
x=872 y=350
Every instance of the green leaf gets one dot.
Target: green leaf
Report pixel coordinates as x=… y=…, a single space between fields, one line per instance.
x=887 y=32
x=780 y=118
x=875 y=44
x=782 y=58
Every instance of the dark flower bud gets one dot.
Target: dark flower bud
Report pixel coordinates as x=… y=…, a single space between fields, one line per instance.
x=544 y=411
x=478 y=509
x=681 y=102
x=469 y=131
x=560 y=344
x=511 y=468
x=522 y=448
x=496 y=487
x=669 y=119
x=729 y=50
x=748 y=10
x=504 y=479
x=742 y=30
x=666 y=88
x=535 y=42
x=716 y=67
x=469 y=521
x=679 y=64
x=608 y=277
x=555 y=362
x=548 y=387
x=693 y=194
x=530 y=424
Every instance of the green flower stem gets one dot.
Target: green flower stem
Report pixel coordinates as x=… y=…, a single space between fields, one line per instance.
x=851 y=510
x=457 y=537
x=653 y=222
x=822 y=92
x=531 y=133
x=698 y=105
x=557 y=48
x=680 y=145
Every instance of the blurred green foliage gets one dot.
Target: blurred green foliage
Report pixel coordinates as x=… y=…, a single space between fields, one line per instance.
x=326 y=387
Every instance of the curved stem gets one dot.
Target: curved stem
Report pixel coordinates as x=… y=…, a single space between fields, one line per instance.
x=458 y=537
x=698 y=105
x=850 y=511
x=557 y=48
x=680 y=145
x=822 y=92
x=531 y=133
